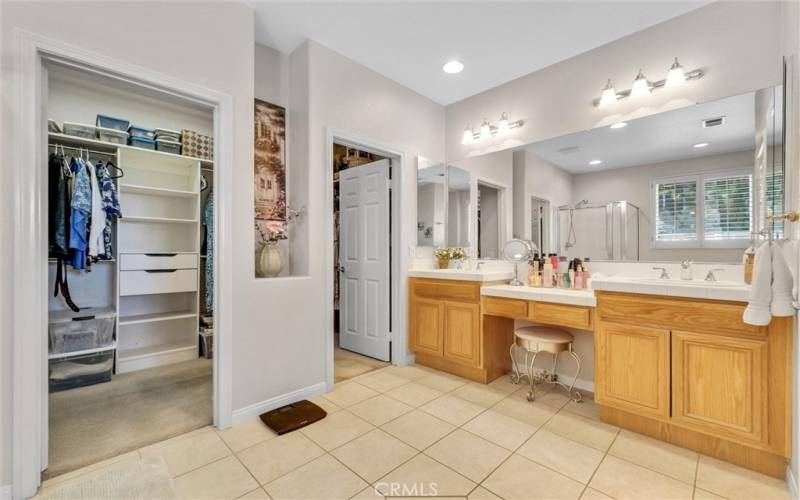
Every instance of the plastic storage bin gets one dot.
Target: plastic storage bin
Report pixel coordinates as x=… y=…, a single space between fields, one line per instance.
x=79 y=371
x=141 y=132
x=80 y=130
x=168 y=146
x=168 y=135
x=207 y=342
x=105 y=121
x=112 y=135
x=141 y=142
x=81 y=331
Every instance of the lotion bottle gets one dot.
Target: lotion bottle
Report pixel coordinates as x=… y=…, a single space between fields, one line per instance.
x=547 y=274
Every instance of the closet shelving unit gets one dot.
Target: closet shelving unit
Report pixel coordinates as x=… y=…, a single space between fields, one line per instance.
x=157 y=254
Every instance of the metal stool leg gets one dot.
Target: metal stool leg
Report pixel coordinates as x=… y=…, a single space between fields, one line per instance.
x=575 y=395
x=515 y=375
x=531 y=377
x=553 y=377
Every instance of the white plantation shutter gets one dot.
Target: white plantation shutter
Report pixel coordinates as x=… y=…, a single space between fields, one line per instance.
x=676 y=211
x=727 y=211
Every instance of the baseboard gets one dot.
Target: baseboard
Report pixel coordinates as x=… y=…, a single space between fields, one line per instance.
x=408 y=361
x=254 y=410
x=6 y=492
x=791 y=482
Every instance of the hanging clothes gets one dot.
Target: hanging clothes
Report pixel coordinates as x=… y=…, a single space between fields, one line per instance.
x=97 y=224
x=208 y=222
x=59 y=195
x=111 y=207
x=81 y=207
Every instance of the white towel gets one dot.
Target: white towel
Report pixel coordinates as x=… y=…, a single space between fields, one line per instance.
x=791 y=252
x=782 y=299
x=758 y=308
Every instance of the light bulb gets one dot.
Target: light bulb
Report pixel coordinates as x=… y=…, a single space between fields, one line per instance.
x=609 y=95
x=618 y=125
x=641 y=87
x=595 y=162
x=453 y=67
x=675 y=75
x=468 y=136
x=486 y=129
x=502 y=125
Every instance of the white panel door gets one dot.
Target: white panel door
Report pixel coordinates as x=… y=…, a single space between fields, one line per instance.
x=364 y=259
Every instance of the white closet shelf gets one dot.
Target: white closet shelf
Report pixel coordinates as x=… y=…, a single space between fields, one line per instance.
x=150 y=318
x=83 y=352
x=161 y=220
x=156 y=191
x=71 y=140
x=154 y=350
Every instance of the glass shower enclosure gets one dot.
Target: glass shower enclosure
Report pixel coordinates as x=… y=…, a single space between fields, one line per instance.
x=599 y=231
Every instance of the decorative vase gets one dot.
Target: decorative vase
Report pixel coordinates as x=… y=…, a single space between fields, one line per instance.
x=444 y=263
x=270 y=260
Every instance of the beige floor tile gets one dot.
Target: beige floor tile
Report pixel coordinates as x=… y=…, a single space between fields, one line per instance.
x=223 y=479
x=349 y=393
x=411 y=372
x=623 y=480
x=454 y=410
x=468 y=454
x=190 y=452
x=381 y=381
x=256 y=494
x=505 y=431
x=480 y=394
x=414 y=394
x=325 y=477
x=481 y=493
x=326 y=404
x=130 y=457
x=368 y=493
x=551 y=396
x=572 y=459
x=586 y=408
x=519 y=478
x=442 y=381
x=534 y=414
x=662 y=457
x=347 y=369
x=504 y=384
x=337 y=429
x=246 y=434
x=423 y=476
x=374 y=454
x=380 y=409
x=583 y=430
x=419 y=429
x=732 y=481
x=272 y=459
x=592 y=494
x=706 y=495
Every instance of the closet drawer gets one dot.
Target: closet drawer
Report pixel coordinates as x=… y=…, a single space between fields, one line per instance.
x=157 y=281
x=144 y=261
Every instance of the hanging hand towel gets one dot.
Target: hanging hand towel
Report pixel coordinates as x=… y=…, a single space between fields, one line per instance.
x=758 y=308
x=791 y=252
x=781 y=304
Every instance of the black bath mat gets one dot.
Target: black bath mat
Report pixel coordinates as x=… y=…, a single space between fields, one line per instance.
x=292 y=417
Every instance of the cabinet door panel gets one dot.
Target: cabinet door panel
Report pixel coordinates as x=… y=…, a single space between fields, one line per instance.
x=720 y=385
x=462 y=333
x=427 y=324
x=633 y=368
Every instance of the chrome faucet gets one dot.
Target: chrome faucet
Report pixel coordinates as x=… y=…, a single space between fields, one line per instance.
x=664 y=274
x=710 y=276
x=460 y=264
x=479 y=265
x=686 y=269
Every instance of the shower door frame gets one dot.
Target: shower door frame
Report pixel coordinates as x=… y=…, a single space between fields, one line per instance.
x=609 y=206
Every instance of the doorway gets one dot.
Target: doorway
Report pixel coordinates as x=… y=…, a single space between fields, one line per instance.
x=489 y=220
x=540 y=224
x=362 y=276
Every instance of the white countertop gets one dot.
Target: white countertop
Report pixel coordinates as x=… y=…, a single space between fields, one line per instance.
x=556 y=295
x=457 y=274
x=695 y=289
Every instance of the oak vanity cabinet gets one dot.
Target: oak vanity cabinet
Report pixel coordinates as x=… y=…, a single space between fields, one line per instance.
x=691 y=372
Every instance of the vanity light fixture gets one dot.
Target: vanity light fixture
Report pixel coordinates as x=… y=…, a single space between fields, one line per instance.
x=618 y=125
x=642 y=87
x=700 y=145
x=488 y=130
x=453 y=67
x=595 y=162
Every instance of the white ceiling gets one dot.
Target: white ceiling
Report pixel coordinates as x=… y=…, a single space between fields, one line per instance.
x=409 y=42
x=658 y=138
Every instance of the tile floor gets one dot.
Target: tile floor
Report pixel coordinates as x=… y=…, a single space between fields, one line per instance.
x=412 y=431
x=347 y=364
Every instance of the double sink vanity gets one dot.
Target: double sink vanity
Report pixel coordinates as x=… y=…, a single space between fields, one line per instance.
x=672 y=359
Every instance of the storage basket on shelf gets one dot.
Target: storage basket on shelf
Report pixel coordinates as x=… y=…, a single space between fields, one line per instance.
x=81 y=331
x=142 y=142
x=79 y=371
x=168 y=135
x=80 y=130
x=168 y=146
x=112 y=135
x=197 y=145
x=119 y=124
x=141 y=132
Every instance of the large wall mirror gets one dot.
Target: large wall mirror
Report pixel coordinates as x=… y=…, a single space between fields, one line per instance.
x=691 y=183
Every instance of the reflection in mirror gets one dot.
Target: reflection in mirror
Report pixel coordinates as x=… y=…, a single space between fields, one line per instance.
x=458 y=187
x=431 y=199
x=769 y=164
x=488 y=221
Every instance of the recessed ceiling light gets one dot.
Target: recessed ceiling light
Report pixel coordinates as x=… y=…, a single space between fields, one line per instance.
x=700 y=145
x=595 y=162
x=453 y=67
x=619 y=125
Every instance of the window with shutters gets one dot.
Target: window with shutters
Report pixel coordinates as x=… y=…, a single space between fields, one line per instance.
x=708 y=210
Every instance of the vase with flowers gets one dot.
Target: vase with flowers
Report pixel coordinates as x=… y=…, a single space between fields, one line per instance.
x=444 y=255
x=269 y=262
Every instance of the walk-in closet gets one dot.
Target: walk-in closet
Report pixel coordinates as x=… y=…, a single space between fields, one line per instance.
x=130 y=266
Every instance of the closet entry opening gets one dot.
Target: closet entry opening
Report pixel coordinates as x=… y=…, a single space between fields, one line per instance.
x=130 y=262
x=362 y=208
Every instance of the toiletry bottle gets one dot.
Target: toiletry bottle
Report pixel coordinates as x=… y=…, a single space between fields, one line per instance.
x=579 y=277
x=571 y=278
x=749 y=259
x=547 y=274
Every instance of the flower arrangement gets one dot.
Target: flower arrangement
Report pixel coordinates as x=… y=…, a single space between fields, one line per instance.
x=445 y=254
x=277 y=230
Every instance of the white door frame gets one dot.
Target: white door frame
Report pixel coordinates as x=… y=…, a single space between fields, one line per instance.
x=29 y=276
x=399 y=258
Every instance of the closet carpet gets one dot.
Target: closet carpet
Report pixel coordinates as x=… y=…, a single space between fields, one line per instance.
x=135 y=409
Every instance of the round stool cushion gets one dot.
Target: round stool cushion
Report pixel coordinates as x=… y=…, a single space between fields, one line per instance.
x=543 y=338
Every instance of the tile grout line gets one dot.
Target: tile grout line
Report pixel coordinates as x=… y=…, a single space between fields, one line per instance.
x=599 y=464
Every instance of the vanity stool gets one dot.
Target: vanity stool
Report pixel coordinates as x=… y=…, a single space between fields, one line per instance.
x=536 y=339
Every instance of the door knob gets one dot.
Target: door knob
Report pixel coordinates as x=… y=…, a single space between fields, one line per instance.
x=788 y=216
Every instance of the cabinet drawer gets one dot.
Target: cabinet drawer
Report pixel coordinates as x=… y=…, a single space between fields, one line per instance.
x=561 y=314
x=143 y=261
x=157 y=281
x=509 y=308
x=467 y=291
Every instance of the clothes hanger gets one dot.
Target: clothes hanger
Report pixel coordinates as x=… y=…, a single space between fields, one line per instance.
x=203 y=183
x=116 y=168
